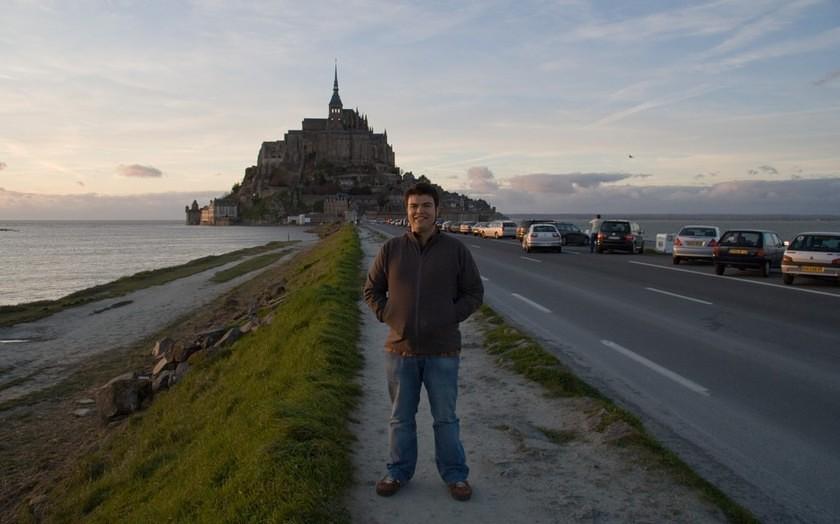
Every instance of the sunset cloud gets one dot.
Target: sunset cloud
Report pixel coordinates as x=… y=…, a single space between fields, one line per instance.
x=138 y=171
x=481 y=180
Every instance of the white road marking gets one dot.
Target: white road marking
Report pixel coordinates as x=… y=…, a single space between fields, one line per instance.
x=484 y=278
x=678 y=296
x=531 y=259
x=679 y=379
x=532 y=303
x=780 y=286
x=476 y=246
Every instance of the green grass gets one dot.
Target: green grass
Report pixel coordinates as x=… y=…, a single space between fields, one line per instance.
x=524 y=355
x=256 y=433
x=249 y=265
x=11 y=315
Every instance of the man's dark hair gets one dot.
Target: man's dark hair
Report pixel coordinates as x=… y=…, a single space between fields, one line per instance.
x=422 y=188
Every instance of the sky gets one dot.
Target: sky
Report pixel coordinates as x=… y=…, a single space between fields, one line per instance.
x=123 y=109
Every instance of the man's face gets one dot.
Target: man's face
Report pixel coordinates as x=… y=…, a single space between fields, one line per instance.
x=421 y=213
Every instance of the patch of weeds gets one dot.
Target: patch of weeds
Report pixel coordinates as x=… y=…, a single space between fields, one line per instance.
x=559 y=436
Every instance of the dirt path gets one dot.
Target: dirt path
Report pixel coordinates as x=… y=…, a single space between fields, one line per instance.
x=519 y=473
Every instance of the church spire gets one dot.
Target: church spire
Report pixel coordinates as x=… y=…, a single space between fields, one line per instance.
x=335 y=101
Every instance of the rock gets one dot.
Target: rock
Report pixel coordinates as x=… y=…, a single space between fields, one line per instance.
x=182 y=353
x=163 y=364
x=162 y=381
x=207 y=339
x=83 y=412
x=181 y=370
x=85 y=401
x=230 y=337
x=247 y=327
x=122 y=395
x=163 y=346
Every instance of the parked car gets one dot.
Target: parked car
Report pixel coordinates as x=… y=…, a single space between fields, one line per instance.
x=620 y=235
x=748 y=249
x=814 y=254
x=572 y=235
x=445 y=225
x=455 y=227
x=523 y=226
x=478 y=228
x=500 y=229
x=466 y=228
x=542 y=236
x=695 y=242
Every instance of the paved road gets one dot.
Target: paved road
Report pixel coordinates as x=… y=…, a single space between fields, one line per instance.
x=739 y=374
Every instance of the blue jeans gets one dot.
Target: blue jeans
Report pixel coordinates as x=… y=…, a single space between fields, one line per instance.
x=440 y=376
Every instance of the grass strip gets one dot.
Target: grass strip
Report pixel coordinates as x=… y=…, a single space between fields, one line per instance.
x=525 y=356
x=249 y=265
x=27 y=312
x=256 y=433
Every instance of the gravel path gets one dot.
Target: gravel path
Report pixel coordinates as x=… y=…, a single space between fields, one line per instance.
x=51 y=347
x=518 y=473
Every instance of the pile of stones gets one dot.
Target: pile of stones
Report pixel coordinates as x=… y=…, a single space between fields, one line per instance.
x=129 y=392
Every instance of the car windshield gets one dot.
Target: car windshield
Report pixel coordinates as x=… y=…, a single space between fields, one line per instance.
x=741 y=238
x=698 y=232
x=544 y=229
x=820 y=243
x=509 y=224
x=615 y=227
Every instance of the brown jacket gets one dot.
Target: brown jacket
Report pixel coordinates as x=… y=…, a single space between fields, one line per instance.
x=422 y=294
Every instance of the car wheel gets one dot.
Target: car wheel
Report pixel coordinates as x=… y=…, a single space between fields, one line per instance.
x=765 y=269
x=787 y=278
x=676 y=260
x=720 y=268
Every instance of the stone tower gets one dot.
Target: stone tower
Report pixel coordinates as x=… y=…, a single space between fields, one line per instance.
x=335 y=105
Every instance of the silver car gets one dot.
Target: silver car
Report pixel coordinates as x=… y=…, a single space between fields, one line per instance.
x=542 y=236
x=813 y=254
x=695 y=242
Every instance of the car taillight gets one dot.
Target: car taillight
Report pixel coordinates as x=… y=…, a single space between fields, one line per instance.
x=712 y=243
x=677 y=242
x=628 y=237
x=759 y=253
x=788 y=260
x=602 y=236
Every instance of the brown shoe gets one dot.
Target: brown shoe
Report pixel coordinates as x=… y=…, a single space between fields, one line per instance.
x=387 y=486
x=460 y=490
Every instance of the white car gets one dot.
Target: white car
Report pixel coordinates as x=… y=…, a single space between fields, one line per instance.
x=542 y=236
x=500 y=229
x=696 y=242
x=812 y=254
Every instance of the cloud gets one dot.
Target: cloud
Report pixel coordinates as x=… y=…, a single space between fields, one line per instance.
x=138 y=171
x=700 y=176
x=802 y=196
x=830 y=77
x=3 y=166
x=562 y=183
x=92 y=206
x=481 y=180
x=763 y=170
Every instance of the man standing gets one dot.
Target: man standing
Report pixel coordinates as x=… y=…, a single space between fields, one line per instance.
x=594 y=226
x=423 y=284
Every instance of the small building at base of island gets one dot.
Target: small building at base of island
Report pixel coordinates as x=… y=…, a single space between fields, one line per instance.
x=219 y=212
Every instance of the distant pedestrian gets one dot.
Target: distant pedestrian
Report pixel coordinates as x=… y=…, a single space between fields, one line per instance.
x=423 y=284
x=594 y=227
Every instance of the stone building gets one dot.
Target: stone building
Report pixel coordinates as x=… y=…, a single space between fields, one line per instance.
x=220 y=212
x=193 y=214
x=343 y=140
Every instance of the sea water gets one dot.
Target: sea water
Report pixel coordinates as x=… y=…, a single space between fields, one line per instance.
x=50 y=259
